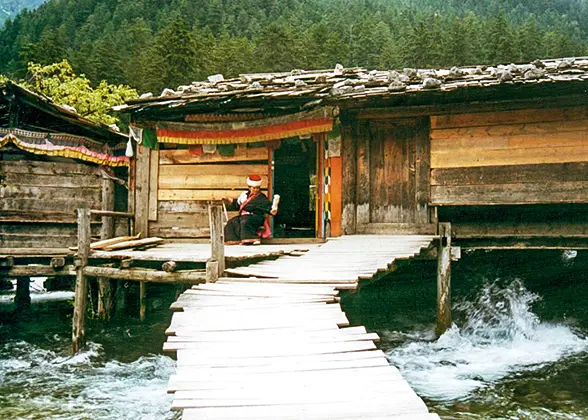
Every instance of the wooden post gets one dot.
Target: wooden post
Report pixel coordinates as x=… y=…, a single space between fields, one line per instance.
x=81 y=290
x=105 y=298
x=23 y=295
x=217 y=235
x=444 y=279
x=142 y=191
x=211 y=271
x=142 y=300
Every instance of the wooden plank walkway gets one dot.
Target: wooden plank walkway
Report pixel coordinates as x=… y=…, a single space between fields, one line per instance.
x=282 y=348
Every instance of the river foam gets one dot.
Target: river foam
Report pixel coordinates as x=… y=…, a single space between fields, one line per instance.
x=499 y=335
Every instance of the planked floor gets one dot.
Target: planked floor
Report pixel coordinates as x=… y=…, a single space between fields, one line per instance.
x=278 y=346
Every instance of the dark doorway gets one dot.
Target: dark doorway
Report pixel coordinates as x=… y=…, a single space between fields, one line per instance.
x=295 y=182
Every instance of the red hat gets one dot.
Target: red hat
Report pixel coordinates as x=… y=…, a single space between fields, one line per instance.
x=254 y=181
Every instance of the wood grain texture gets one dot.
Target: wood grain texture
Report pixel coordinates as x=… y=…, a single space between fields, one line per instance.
x=537 y=115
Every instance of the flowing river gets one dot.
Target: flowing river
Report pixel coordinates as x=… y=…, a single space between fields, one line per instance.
x=517 y=349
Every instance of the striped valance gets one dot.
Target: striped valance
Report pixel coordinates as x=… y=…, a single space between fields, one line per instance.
x=64 y=145
x=274 y=128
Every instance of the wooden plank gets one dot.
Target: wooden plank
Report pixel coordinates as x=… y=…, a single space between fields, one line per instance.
x=511 y=174
x=194 y=276
x=242 y=154
x=211 y=170
x=132 y=243
x=142 y=190
x=37 y=270
x=153 y=184
x=554 y=229
x=536 y=115
x=48 y=168
x=182 y=207
x=507 y=156
x=483 y=143
x=178 y=232
x=227 y=180
x=8 y=192
x=60 y=181
x=563 y=192
x=199 y=195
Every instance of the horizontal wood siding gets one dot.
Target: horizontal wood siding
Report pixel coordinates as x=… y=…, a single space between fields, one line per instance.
x=517 y=157
x=186 y=181
x=38 y=202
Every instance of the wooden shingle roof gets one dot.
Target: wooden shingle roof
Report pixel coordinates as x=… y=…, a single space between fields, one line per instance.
x=344 y=86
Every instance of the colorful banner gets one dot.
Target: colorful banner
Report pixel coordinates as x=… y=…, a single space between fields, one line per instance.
x=65 y=145
x=273 y=128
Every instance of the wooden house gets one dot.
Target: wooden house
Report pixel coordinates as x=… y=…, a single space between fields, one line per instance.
x=53 y=161
x=500 y=152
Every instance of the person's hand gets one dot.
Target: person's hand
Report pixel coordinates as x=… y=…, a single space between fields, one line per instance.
x=273 y=212
x=227 y=200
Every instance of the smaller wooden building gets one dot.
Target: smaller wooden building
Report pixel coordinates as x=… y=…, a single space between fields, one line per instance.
x=500 y=152
x=53 y=161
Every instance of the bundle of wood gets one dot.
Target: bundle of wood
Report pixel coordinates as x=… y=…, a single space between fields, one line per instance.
x=124 y=242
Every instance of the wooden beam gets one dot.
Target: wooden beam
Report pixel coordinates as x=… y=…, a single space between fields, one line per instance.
x=153 y=185
x=81 y=289
x=192 y=276
x=444 y=279
x=217 y=236
x=142 y=191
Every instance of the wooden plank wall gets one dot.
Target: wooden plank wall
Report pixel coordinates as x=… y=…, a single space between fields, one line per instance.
x=186 y=181
x=528 y=156
x=38 y=200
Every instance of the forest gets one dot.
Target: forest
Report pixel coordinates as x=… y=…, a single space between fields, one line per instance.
x=152 y=44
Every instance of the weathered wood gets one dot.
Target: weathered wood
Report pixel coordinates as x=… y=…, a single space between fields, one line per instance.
x=112 y=213
x=133 y=244
x=192 y=277
x=349 y=179
x=422 y=171
x=212 y=170
x=200 y=195
x=242 y=154
x=126 y=263
x=177 y=232
x=212 y=271
x=142 y=300
x=107 y=242
x=6 y=261
x=529 y=115
x=48 y=168
x=55 y=181
x=397 y=229
x=228 y=180
x=542 y=193
x=105 y=301
x=363 y=175
x=17 y=216
x=511 y=174
x=469 y=157
x=153 y=184
x=142 y=190
x=169 y=266
x=520 y=229
x=81 y=288
x=217 y=236
x=185 y=220
x=444 y=279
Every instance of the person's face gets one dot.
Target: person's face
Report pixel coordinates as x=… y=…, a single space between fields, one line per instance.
x=254 y=190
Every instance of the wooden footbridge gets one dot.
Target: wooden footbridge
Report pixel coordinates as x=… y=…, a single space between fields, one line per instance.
x=274 y=342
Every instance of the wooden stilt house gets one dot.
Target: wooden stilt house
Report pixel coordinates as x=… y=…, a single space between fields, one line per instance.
x=500 y=152
x=53 y=161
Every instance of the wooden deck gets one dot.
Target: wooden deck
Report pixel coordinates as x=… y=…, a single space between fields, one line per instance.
x=278 y=346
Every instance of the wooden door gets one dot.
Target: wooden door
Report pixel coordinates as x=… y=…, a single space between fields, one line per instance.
x=399 y=170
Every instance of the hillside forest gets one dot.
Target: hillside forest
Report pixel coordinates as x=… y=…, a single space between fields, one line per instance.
x=152 y=44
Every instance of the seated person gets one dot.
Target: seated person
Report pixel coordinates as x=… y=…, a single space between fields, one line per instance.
x=253 y=206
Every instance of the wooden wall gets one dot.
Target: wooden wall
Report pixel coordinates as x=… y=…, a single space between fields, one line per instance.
x=533 y=156
x=185 y=181
x=38 y=200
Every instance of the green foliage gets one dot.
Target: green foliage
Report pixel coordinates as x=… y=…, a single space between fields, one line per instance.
x=151 y=45
x=59 y=82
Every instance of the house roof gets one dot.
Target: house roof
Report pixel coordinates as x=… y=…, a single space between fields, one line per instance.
x=83 y=126
x=300 y=89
